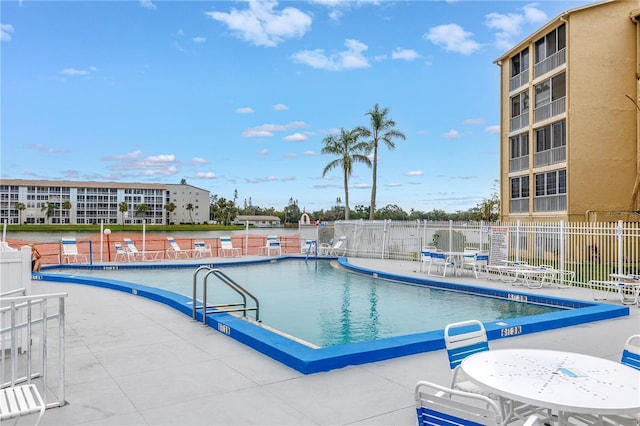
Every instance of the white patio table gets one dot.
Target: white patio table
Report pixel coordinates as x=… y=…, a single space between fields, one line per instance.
x=565 y=382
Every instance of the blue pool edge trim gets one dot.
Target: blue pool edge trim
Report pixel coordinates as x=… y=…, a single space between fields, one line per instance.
x=308 y=360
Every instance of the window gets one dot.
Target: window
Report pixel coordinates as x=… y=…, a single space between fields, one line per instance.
x=520 y=187
x=520 y=63
x=550 y=43
x=551 y=183
x=550 y=142
x=519 y=145
x=520 y=104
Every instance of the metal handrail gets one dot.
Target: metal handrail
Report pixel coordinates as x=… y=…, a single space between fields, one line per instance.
x=227 y=307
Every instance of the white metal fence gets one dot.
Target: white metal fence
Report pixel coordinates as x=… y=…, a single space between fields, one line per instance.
x=591 y=250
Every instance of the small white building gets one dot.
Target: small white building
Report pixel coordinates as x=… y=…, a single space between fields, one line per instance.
x=258 y=221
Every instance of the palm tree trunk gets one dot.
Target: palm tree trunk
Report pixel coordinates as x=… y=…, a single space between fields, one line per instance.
x=346 y=197
x=372 y=208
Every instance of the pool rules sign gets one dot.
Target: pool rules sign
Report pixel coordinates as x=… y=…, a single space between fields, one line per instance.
x=499 y=248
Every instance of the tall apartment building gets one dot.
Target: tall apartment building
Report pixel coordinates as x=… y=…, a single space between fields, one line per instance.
x=28 y=201
x=569 y=117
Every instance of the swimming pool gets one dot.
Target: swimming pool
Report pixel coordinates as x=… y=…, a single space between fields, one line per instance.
x=309 y=359
x=325 y=305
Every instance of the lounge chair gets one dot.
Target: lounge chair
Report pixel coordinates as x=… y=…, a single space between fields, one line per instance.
x=138 y=255
x=340 y=247
x=70 y=251
x=201 y=249
x=272 y=245
x=122 y=254
x=227 y=249
x=174 y=251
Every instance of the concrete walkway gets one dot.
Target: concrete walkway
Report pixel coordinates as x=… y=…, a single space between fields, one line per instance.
x=133 y=361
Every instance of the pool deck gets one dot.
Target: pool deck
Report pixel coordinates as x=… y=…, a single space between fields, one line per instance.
x=133 y=361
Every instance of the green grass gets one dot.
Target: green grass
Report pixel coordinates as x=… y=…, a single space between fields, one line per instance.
x=120 y=228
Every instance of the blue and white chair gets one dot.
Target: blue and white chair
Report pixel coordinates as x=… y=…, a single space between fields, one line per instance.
x=425 y=256
x=70 y=251
x=440 y=262
x=227 y=248
x=272 y=245
x=461 y=340
x=440 y=405
x=631 y=352
x=339 y=248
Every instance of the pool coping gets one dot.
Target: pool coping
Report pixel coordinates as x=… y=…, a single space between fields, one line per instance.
x=308 y=360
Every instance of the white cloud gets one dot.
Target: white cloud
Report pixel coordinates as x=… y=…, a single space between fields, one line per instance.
x=270 y=129
x=296 y=137
x=5 y=32
x=404 y=54
x=205 y=175
x=199 y=39
x=262 y=25
x=264 y=152
x=392 y=185
x=137 y=165
x=474 y=121
x=494 y=130
x=147 y=4
x=244 y=110
x=198 y=160
x=291 y=155
x=509 y=26
x=414 y=173
x=280 y=107
x=73 y=71
x=452 y=134
x=40 y=147
x=309 y=154
x=347 y=59
x=453 y=38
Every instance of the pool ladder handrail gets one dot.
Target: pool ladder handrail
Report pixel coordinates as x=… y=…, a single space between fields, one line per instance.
x=312 y=243
x=224 y=307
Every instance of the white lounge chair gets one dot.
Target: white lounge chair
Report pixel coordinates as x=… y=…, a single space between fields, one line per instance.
x=138 y=255
x=122 y=254
x=201 y=249
x=340 y=247
x=272 y=245
x=175 y=251
x=227 y=248
x=70 y=251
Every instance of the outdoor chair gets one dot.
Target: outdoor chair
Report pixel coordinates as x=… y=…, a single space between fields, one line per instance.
x=227 y=248
x=461 y=340
x=272 y=245
x=631 y=352
x=138 y=255
x=339 y=248
x=201 y=249
x=175 y=251
x=440 y=262
x=122 y=254
x=440 y=405
x=70 y=251
x=21 y=400
x=425 y=256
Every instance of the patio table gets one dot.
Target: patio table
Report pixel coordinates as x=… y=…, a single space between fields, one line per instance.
x=564 y=382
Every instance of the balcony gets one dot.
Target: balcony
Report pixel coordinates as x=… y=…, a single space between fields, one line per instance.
x=519 y=205
x=550 y=63
x=520 y=121
x=519 y=163
x=551 y=203
x=549 y=110
x=550 y=156
x=519 y=80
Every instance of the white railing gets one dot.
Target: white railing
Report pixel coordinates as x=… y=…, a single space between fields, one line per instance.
x=32 y=343
x=519 y=205
x=550 y=203
x=520 y=121
x=519 y=80
x=592 y=250
x=519 y=163
x=550 y=63
x=549 y=110
x=551 y=156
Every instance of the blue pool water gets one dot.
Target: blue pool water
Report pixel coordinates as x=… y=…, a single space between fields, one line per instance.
x=358 y=309
x=328 y=306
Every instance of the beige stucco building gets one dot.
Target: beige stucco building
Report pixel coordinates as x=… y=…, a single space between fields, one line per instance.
x=569 y=117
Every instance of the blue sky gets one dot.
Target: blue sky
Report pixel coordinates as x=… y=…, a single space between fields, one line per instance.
x=238 y=95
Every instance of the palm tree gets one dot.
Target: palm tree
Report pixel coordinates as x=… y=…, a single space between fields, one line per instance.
x=67 y=206
x=142 y=209
x=382 y=129
x=169 y=208
x=190 y=210
x=21 y=207
x=349 y=150
x=123 y=207
x=48 y=209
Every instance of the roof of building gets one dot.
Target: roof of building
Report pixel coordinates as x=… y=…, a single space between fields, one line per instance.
x=80 y=184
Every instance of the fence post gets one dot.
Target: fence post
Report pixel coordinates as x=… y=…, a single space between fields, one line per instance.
x=620 y=257
x=517 y=241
